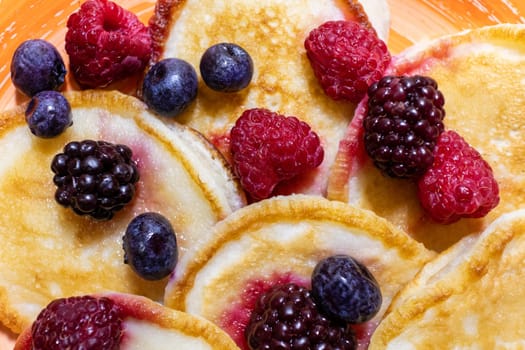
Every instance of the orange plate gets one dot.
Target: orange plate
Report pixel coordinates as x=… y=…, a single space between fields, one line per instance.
x=411 y=21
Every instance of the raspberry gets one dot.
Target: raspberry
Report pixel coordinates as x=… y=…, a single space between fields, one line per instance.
x=459 y=184
x=346 y=58
x=95 y=178
x=286 y=317
x=268 y=148
x=403 y=122
x=105 y=43
x=83 y=322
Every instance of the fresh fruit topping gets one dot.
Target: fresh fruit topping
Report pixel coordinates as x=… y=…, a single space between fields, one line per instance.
x=82 y=322
x=268 y=148
x=403 y=122
x=48 y=114
x=170 y=86
x=346 y=58
x=226 y=67
x=150 y=246
x=37 y=66
x=95 y=178
x=106 y=43
x=344 y=289
x=286 y=317
x=460 y=183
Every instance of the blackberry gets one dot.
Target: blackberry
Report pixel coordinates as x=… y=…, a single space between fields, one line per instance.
x=95 y=178
x=286 y=317
x=345 y=289
x=403 y=122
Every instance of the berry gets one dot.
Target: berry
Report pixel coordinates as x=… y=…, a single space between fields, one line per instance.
x=268 y=148
x=403 y=122
x=346 y=58
x=48 y=114
x=106 y=43
x=460 y=183
x=95 y=178
x=83 y=322
x=37 y=66
x=286 y=317
x=170 y=86
x=226 y=67
x=345 y=289
x=150 y=246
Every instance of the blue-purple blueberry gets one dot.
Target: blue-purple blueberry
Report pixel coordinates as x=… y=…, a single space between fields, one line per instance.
x=226 y=67
x=150 y=246
x=37 y=66
x=170 y=86
x=345 y=289
x=48 y=114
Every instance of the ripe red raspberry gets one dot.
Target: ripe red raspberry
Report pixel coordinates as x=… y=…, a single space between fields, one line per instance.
x=346 y=58
x=268 y=148
x=105 y=43
x=83 y=322
x=459 y=184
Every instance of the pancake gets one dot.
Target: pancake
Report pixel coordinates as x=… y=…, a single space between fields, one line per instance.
x=282 y=239
x=470 y=296
x=147 y=325
x=481 y=74
x=273 y=33
x=48 y=251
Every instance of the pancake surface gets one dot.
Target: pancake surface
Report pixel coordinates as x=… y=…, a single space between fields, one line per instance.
x=47 y=251
x=481 y=74
x=147 y=325
x=282 y=239
x=273 y=33
x=470 y=296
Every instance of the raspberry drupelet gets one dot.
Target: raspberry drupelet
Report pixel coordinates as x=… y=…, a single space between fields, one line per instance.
x=106 y=43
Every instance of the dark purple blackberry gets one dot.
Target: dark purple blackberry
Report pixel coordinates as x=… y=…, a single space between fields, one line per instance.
x=286 y=317
x=95 y=178
x=150 y=246
x=403 y=122
x=345 y=289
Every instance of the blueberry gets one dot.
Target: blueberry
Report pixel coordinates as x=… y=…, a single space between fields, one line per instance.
x=150 y=246
x=226 y=67
x=37 y=66
x=170 y=86
x=345 y=289
x=48 y=114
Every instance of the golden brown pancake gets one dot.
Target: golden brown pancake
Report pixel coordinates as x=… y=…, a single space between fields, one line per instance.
x=150 y=326
x=283 y=238
x=481 y=73
x=273 y=33
x=48 y=251
x=470 y=296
